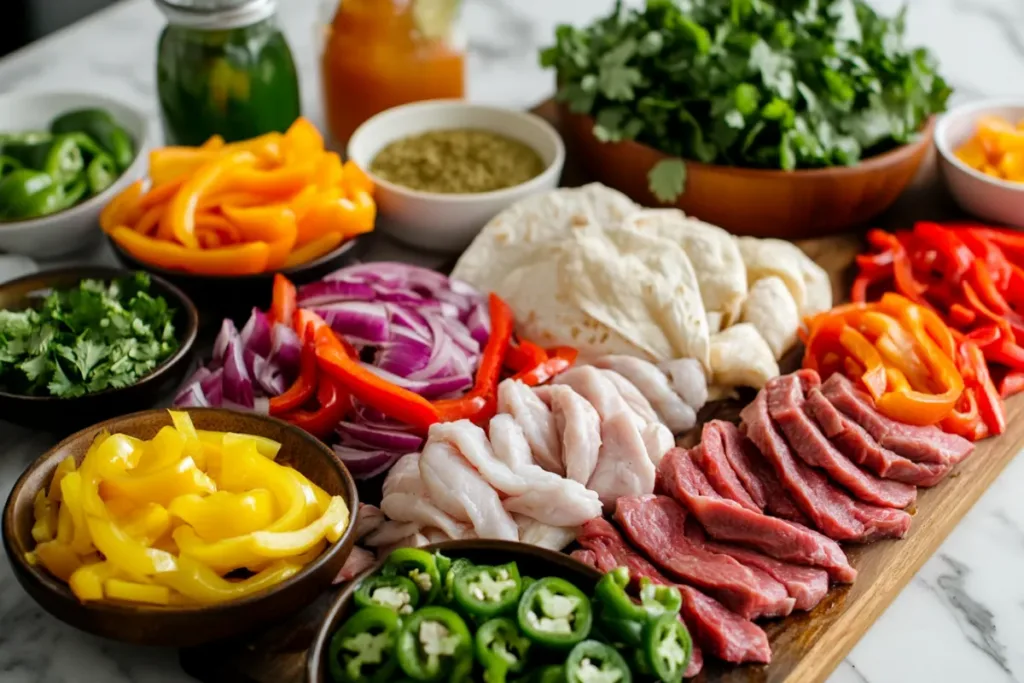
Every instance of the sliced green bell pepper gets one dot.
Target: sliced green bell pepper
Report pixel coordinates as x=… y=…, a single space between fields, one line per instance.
x=28 y=194
x=434 y=644
x=8 y=164
x=101 y=173
x=363 y=649
x=592 y=661
x=554 y=613
x=501 y=649
x=60 y=157
x=420 y=567
x=484 y=592
x=448 y=578
x=74 y=193
x=27 y=137
x=101 y=127
x=394 y=592
x=667 y=648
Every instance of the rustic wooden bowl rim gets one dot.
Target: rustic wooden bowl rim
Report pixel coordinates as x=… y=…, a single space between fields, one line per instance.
x=61 y=589
x=836 y=172
x=186 y=337
x=314 y=673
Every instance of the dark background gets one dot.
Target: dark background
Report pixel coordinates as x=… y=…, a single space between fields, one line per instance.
x=22 y=21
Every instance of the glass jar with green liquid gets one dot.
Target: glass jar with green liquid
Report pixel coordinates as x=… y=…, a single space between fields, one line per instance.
x=224 y=68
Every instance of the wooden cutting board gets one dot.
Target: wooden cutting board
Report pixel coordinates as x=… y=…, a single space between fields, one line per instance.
x=807 y=646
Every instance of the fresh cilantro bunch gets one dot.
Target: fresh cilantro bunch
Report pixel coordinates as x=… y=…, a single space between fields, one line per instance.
x=96 y=336
x=784 y=84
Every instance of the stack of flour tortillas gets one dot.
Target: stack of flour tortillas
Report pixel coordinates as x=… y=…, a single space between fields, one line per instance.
x=586 y=267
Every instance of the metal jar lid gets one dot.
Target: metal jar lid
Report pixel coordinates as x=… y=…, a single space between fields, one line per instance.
x=216 y=15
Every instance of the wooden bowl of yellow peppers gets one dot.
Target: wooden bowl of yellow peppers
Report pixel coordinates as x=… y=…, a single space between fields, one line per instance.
x=179 y=528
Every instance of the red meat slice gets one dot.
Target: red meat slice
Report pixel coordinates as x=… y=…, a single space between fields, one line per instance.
x=584 y=556
x=713 y=462
x=722 y=633
x=785 y=406
x=726 y=521
x=833 y=512
x=860 y=447
x=758 y=477
x=657 y=525
x=806 y=585
x=920 y=444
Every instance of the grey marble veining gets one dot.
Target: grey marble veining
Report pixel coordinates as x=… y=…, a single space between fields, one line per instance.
x=961 y=618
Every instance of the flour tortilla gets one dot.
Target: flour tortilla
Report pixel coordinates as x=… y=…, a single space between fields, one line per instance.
x=521 y=233
x=713 y=252
x=740 y=357
x=770 y=308
x=806 y=281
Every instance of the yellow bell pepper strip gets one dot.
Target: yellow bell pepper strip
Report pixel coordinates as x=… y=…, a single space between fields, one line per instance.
x=87 y=581
x=206 y=179
x=252 y=550
x=223 y=515
x=146 y=523
x=243 y=259
x=163 y=450
x=63 y=467
x=120 y=508
x=58 y=559
x=129 y=591
x=268 y=448
x=243 y=469
x=355 y=179
x=192 y=446
x=45 y=526
x=159 y=486
x=65 y=525
x=198 y=582
x=130 y=556
x=71 y=495
x=123 y=209
x=314 y=249
x=322 y=498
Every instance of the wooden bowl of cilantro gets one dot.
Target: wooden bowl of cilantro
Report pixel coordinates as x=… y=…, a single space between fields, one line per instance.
x=768 y=119
x=80 y=345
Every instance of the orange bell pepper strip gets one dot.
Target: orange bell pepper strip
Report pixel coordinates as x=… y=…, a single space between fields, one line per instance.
x=283 y=301
x=226 y=231
x=301 y=140
x=168 y=164
x=232 y=198
x=311 y=251
x=182 y=210
x=267 y=223
x=329 y=171
x=215 y=142
x=160 y=194
x=355 y=179
x=122 y=209
x=277 y=183
x=242 y=259
x=208 y=239
x=150 y=220
x=834 y=335
x=303 y=201
x=392 y=400
x=266 y=147
x=331 y=213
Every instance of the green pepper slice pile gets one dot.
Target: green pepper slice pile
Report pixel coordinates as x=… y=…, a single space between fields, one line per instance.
x=448 y=577
x=418 y=566
x=363 y=650
x=667 y=647
x=484 y=592
x=554 y=613
x=501 y=649
x=394 y=592
x=595 y=662
x=434 y=644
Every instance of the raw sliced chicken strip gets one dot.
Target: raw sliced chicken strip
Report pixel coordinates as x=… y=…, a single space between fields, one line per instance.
x=676 y=413
x=623 y=467
x=391 y=532
x=459 y=490
x=536 y=421
x=579 y=427
x=544 y=535
x=549 y=498
x=593 y=385
x=657 y=437
x=471 y=441
x=405 y=499
x=689 y=380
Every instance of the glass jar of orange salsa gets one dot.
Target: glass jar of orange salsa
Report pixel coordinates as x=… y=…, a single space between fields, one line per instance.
x=379 y=54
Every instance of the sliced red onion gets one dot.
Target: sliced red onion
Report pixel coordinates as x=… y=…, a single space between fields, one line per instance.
x=228 y=333
x=331 y=291
x=256 y=333
x=191 y=396
x=402 y=317
x=427 y=388
x=441 y=355
x=364 y=464
x=268 y=376
x=363 y=320
x=479 y=323
x=285 y=347
x=238 y=389
x=375 y=437
x=460 y=335
x=402 y=358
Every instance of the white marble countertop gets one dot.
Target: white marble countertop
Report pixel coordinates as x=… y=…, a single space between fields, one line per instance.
x=962 y=616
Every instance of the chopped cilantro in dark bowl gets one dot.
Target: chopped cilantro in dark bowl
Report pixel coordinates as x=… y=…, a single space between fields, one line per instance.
x=80 y=345
x=677 y=100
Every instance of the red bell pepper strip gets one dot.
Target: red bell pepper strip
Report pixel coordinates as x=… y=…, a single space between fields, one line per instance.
x=524 y=356
x=955 y=254
x=903 y=272
x=1006 y=352
x=307 y=324
x=983 y=311
x=990 y=403
x=335 y=403
x=299 y=393
x=965 y=420
x=390 y=399
x=995 y=260
x=985 y=336
x=1012 y=383
x=961 y=316
x=981 y=278
x=561 y=359
x=283 y=303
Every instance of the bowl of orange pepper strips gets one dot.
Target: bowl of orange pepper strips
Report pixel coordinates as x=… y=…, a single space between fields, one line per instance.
x=233 y=214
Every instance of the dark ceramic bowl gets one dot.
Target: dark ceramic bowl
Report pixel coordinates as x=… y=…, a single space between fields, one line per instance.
x=180 y=626
x=762 y=203
x=65 y=415
x=532 y=561
x=233 y=296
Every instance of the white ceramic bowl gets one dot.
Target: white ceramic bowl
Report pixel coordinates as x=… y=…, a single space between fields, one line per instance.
x=77 y=227
x=449 y=222
x=990 y=198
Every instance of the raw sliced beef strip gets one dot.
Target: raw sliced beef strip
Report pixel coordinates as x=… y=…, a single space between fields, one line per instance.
x=806 y=585
x=724 y=520
x=785 y=406
x=833 y=512
x=758 y=477
x=657 y=525
x=920 y=444
x=722 y=633
x=860 y=447
x=712 y=460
